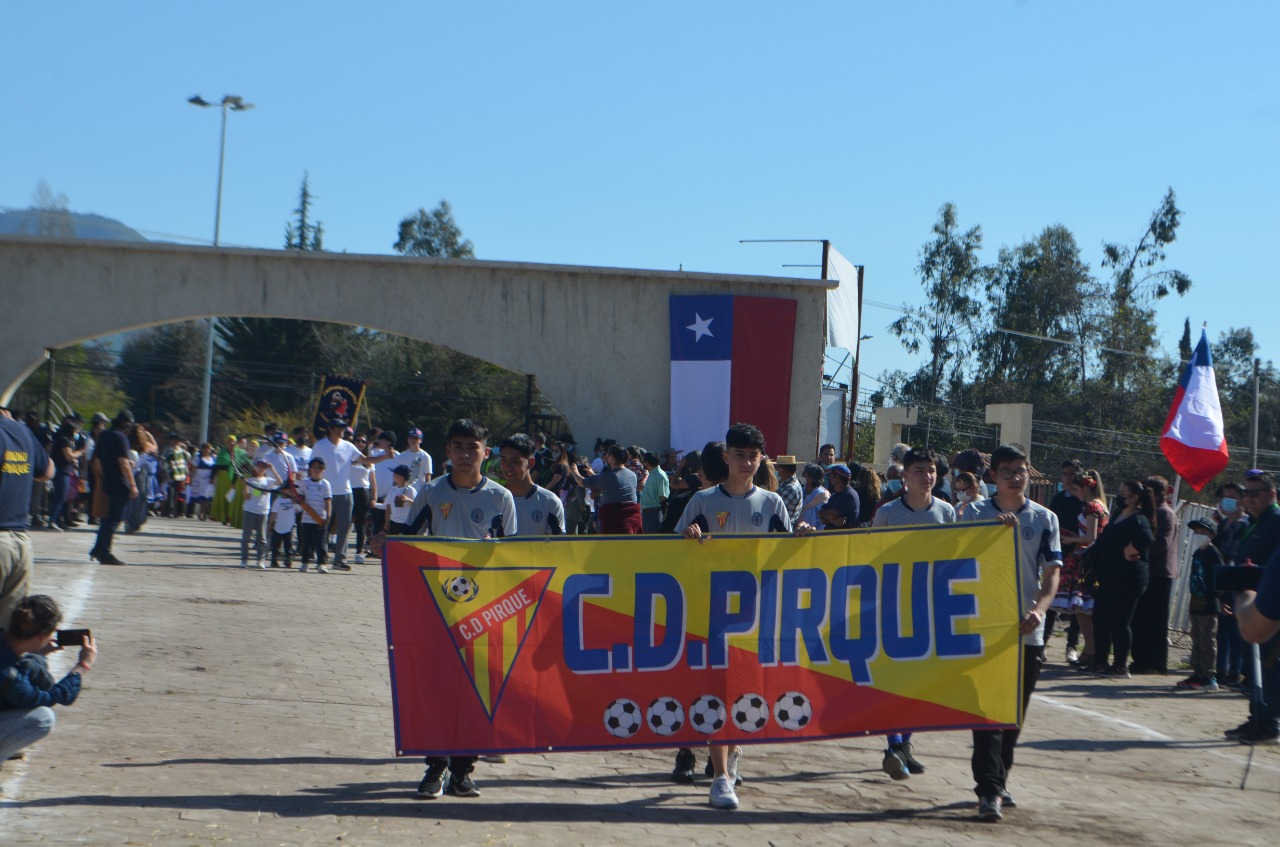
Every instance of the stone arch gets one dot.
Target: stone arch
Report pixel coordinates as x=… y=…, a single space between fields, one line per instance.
x=596 y=338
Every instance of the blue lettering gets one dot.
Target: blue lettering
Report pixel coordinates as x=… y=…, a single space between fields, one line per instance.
x=726 y=585
x=576 y=655
x=803 y=584
x=898 y=645
x=650 y=655
x=948 y=606
x=768 y=640
x=855 y=650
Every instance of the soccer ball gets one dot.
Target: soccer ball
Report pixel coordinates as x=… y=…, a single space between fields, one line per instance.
x=461 y=589
x=622 y=718
x=792 y=711
x=666 y=716
x=750 y=713
x=707 y=714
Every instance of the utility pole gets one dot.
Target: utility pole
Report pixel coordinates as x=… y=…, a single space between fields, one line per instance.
x=1253 y=443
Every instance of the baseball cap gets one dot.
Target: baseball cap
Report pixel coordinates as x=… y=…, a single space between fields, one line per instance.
x=336 y=422
x=1202 y=525
x=279 y=438
x=841 y=470
x=415 y=433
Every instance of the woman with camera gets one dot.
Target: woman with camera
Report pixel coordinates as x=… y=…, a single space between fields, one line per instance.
x=27 y=692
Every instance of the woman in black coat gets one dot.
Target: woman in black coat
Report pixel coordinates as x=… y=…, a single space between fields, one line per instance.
x=1122 y=573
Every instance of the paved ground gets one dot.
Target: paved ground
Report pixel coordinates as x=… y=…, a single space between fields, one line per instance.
x=248 y=707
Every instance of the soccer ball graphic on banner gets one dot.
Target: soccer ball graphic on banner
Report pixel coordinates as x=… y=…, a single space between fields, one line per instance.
x=793 y=711
x=707 y=714
x=461 y=589
x=750 y=713
x=666 y=716
x=622 y=718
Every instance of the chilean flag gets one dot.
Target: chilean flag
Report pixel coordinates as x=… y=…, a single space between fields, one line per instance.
x=730 y=363
x=1194 y=441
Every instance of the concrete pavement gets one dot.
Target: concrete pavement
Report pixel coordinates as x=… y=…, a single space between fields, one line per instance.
x=253 y=707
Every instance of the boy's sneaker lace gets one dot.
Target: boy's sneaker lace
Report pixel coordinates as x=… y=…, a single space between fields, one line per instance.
x=904 y=752
x=893 y=765
x=462 y=786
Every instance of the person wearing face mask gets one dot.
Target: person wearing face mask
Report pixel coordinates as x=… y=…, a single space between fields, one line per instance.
x=1203 y=607
x=892 y=488
x=1233 y=520
x=967 y=492
x=1065 y=504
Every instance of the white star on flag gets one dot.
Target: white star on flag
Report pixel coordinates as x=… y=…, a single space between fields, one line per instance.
x=700 y=327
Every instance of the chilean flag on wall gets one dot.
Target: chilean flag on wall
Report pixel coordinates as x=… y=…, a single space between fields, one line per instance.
x=1194 y=441
x=730 y=363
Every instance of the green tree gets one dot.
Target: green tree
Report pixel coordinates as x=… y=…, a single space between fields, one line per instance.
x=1037 y=293
x=304 y=235
x=434 y=234
x=53 y=212
x=951 y=275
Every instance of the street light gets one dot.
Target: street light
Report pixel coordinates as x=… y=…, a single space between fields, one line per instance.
x=234 y=103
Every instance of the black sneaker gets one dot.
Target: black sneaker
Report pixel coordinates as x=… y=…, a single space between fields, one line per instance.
x=989 y=809
x=904 y=752
x=685 y=763
x=1006 y=799
x=1260 y=735
x=1242 y=730
x=893 y=765
x=462 y=786
x=432 y=785
x=341 y=567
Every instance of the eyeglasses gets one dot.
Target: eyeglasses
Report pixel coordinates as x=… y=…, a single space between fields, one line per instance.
x=1250 y=493
x=1020 y=473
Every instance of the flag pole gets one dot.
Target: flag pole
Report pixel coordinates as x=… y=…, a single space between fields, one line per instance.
x=857 y=366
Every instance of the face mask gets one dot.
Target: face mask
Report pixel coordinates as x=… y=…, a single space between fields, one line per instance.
x=1061 y=487
x=955 y=472
x=1200 y=542
x=1230 y=504
x=991 y=489
x=962 y=496
x=894 y=485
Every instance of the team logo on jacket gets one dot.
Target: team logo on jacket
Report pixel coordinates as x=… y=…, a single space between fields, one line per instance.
x=537 y=516
x=722 y=518
x=477 y=515
x=445 y=509
x=757 y=519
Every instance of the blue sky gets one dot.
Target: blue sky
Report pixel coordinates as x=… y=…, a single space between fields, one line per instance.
x=657 y=135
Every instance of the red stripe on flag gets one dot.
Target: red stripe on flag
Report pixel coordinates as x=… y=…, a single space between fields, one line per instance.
x=764 y=334
x=1196 y=465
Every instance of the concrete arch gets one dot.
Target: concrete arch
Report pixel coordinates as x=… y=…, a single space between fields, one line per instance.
x=596 y=338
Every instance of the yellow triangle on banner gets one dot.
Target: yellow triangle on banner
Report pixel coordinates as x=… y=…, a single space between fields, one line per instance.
x=488 y=612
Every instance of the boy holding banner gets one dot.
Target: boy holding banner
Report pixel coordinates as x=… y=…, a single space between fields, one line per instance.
x=1040 y=558
x=461 y=504
x=734 y=507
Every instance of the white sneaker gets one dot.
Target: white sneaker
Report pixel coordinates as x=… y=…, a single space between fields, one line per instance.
x=303 y=569
x=1072 y=655
x=321 y=569
x=732 y=770
x=358 y=559
x=262 y=566
x=722 y=794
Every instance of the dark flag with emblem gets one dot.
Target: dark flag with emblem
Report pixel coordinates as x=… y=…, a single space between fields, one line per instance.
x=340 y=397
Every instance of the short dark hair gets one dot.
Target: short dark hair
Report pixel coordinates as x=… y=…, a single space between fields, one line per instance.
x=813 y=472
x=1072 y=463
x=650 y=458
x=825 y=446
x=315 y=460
x=1007 y=454
x=714 y=466
x=519 y=442
x=1264 y=477
x=468 y=429
x=744 y=435
x=1235 y=486
x=34 y=615
x=920 y=455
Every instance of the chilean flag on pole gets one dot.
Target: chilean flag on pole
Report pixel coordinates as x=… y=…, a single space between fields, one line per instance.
x=730 y=363
x=1194 y=441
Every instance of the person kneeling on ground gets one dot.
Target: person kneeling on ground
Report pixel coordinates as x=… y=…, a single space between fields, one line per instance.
x=27 y=693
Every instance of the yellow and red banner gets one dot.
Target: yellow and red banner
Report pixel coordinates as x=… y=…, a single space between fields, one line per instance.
x=613 y=642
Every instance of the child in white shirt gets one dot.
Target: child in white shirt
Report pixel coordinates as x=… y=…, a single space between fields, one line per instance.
x=284 y=515
x=399 y=501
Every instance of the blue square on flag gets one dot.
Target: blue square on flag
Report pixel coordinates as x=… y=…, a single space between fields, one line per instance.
x=702 y=328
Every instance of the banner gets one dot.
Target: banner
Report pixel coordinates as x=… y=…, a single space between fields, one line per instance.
x=605 y=643
x=340 y=397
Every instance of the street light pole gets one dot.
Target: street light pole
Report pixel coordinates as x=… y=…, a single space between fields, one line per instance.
x=234 y=103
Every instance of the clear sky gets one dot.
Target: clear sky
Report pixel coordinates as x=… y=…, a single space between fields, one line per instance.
x=658 y=134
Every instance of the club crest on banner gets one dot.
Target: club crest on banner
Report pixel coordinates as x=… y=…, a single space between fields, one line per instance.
x=488 y=620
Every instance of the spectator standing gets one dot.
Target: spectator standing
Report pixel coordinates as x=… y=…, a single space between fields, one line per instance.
x=789 y=487
x=656 y=493
x=619 y=504
x=869 y=489
x=65 y=459
x=1123 y=572
x=816 y=494
x=118 y=484
x=40 y=489
x=1151 y=618
x=177 y=463
x=364 y=488
x=1232 y=524
x=25 y=464
x=1203 y=607
x=842 y=508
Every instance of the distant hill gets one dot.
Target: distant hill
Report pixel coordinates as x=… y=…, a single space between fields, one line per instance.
x=95 y=227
